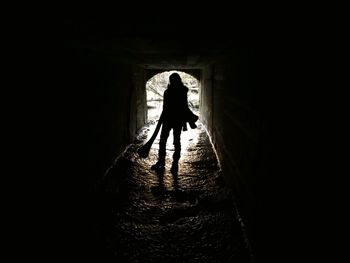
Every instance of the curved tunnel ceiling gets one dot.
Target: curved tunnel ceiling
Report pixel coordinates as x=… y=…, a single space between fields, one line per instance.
x=152 y=46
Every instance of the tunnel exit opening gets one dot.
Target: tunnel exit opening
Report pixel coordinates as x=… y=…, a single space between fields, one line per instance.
x=156 y=86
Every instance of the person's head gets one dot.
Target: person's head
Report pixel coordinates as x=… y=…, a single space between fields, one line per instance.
x=175 y=80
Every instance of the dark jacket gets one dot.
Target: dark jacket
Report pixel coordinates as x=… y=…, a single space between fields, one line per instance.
x=175 y=107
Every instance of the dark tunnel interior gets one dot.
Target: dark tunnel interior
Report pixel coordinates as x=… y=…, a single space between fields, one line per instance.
x=103 y=73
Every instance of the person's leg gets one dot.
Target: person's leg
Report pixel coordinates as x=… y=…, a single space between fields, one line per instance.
x=177 y=146
x=177 y=143
x=162 y=147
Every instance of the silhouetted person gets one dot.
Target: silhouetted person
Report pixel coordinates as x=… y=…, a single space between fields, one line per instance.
x=174 y=116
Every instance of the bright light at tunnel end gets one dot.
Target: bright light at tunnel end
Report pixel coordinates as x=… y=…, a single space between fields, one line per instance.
x=156 y=86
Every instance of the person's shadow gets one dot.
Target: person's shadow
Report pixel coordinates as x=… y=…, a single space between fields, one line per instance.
x=179 y=195
x=159 y=190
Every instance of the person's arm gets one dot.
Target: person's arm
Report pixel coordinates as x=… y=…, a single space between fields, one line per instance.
x=186 y=97
x=161 y=118
x=165 y=102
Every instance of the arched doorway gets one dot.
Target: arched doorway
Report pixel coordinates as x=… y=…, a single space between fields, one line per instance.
x=156 y=86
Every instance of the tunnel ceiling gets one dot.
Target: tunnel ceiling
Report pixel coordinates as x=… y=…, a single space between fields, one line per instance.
x=150 y=45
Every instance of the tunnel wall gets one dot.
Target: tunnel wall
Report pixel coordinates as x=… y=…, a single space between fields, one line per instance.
x=138 y=106
x=108 y=106
x=206 y=99
x=99 y=104
x=230 y=110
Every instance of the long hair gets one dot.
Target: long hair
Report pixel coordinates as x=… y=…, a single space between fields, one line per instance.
x=175 y=80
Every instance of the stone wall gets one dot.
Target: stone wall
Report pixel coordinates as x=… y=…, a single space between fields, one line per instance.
x=231 y=111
